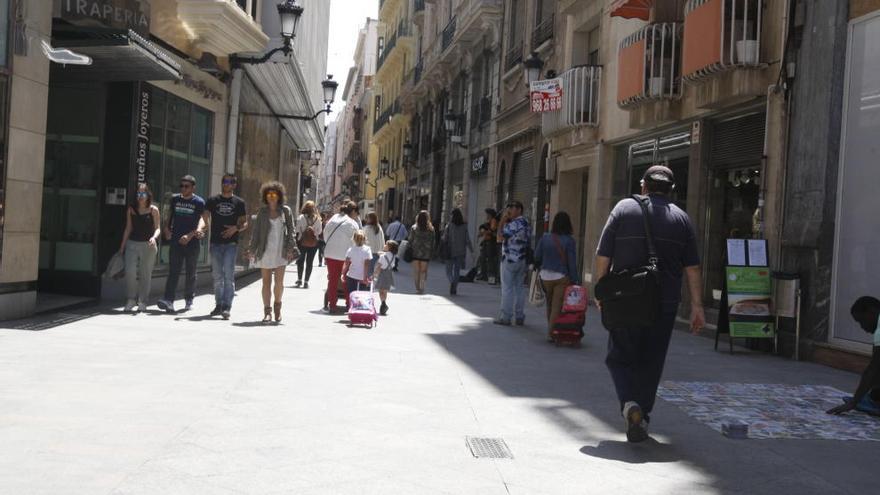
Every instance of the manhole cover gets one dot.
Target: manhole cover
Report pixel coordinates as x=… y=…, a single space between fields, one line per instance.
x=491 y=448
x=46 y=323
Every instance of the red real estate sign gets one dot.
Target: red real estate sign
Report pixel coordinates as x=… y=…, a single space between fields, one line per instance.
x=546 y=95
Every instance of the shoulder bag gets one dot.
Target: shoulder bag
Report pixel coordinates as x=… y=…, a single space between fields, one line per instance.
x=631 y=298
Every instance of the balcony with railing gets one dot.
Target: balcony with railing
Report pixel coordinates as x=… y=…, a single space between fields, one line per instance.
x=386 y=115
x=513 y=57
x=390 y=44
x=223 y=27
x=543 y=32
x=581 y=87
x=649 y=65
x=448 y=34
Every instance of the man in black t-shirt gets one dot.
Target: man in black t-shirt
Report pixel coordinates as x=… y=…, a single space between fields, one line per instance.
x=183 y=232
x=636 y=355
x=227 y=216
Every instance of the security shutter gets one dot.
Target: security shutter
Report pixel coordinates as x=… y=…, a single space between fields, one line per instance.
x=738 y=141
x=523 y=183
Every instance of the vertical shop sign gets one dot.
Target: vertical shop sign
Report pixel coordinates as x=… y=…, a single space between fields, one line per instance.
x=142 y=132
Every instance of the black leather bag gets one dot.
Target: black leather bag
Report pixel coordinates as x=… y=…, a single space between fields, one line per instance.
x=631 y=298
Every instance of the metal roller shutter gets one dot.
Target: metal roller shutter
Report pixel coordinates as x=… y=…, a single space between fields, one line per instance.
x=523 y=184
x=738 y=141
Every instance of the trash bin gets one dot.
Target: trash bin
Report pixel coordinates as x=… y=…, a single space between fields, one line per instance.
x=787 y=303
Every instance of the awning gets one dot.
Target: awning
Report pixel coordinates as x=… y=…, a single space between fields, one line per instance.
x=632 y=9
x=282 y=85
x=116 y=56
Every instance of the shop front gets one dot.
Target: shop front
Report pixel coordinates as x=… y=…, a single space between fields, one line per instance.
x=108 y=129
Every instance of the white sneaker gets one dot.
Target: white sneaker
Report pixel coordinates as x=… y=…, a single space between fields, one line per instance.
x=129 y=306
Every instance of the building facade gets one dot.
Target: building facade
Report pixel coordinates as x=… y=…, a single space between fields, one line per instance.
x=156 y=103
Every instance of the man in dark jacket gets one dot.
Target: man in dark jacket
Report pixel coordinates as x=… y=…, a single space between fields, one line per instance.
x=636 y=355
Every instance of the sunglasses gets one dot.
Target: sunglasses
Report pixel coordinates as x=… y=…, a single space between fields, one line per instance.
x=185 y=185
x=271 y=194
x=228 y=182
x=142 y=195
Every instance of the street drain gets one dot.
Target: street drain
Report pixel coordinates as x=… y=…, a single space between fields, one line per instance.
x=489 y=448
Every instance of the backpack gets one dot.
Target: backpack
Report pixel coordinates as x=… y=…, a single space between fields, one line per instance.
x=309 y=239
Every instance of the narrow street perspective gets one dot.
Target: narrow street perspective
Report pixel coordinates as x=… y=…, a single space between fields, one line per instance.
x=439 y=246
x=122 y=404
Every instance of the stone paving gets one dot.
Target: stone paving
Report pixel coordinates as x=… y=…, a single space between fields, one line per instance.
x=156 y=404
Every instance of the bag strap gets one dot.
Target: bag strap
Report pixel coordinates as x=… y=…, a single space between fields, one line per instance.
x=327 y=241
x=559 y=248
x=643 y=202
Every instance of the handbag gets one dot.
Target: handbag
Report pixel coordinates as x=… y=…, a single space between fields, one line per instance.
x=116 y=267
x=631 y=298
x=407 y=251
x=537 y=297
x=292 y=252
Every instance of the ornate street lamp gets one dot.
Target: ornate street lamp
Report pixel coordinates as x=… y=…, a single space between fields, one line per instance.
x=532 y=68
x=290 y=14
x=407 y=151
x=450 y=121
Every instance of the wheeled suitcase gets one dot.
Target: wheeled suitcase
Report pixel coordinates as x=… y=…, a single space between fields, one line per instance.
x=568 y=328
x=362 y=308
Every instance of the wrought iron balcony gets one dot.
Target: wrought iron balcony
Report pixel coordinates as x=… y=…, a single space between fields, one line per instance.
x=581 y=87
x=513 y=57
x=386 y=116
x=649 y=65
x=449 y=34
x=543 y=31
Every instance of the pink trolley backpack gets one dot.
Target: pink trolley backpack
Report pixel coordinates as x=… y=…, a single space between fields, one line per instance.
x=568 y=328
x=362 y=308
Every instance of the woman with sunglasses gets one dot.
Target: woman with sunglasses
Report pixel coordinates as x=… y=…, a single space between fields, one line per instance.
x=139 y=245
x=273 y=245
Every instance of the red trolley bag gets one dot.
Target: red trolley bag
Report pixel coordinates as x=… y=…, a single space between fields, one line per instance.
x=362 y=308
x=568 y=327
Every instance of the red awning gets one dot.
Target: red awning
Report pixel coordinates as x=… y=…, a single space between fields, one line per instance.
x=632 y=9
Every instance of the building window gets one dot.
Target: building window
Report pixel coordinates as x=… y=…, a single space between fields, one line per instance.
x=181 y=137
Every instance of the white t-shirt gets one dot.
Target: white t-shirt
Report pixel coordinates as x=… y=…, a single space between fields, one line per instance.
x=376 y=240
x=385 y=260
x=337 y=236
x=356 y=255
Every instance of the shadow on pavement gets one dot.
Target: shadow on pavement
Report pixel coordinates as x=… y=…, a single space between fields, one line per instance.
x=650 y=451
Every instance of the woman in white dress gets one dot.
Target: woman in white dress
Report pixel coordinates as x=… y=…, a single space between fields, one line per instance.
x=273 y=245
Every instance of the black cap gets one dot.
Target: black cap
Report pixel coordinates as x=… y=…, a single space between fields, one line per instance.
x=659 y=173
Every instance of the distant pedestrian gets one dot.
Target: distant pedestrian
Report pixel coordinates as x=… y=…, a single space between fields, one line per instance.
x=396 y=232
x=140 y=247
x=184 y=231
x=357 y=263
x=515 y=231
x=227 y=217
x=555 y=256
x=325 y=215
x=308 y=232
x=273 y=245
x=421 y=241
x=375 y=237
x=458 y=241
x=636 y=355
x=488 y=260
x=383 y=274
x=338 y=234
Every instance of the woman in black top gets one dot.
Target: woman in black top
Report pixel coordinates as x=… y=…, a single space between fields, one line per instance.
x=139 y=244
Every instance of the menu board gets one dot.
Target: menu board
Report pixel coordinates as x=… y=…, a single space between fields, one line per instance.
x=749 y=302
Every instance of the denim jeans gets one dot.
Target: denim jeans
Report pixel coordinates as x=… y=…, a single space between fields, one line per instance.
x=513 y=290
x=635 y=359
x=178 y=257
x=223 y=271
x=453 y=268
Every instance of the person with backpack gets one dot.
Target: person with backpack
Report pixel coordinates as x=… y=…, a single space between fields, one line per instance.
x=556 y=262
x=383 y=274
x=421 y=243
x=375 y=237
x=273 y=245
x=396 y=232
x=308 y=230
x=456 y=241
x=338 y=235
x=653 y=237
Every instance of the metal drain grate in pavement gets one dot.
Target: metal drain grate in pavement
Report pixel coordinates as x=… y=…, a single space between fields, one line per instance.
x=489 y=448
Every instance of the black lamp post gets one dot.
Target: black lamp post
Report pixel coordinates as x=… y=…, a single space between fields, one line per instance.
x=532 y=68
x=290 y=14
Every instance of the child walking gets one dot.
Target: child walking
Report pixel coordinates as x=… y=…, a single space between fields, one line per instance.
x=384 y=275
x=357 y=263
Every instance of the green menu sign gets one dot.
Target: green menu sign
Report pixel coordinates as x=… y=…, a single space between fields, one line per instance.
x=749 y=302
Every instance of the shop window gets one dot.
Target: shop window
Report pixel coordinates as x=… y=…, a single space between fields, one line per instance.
x=4 y=114
x=180 y=145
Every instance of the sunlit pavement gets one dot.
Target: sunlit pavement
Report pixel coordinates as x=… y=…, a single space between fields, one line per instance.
x=159 y=404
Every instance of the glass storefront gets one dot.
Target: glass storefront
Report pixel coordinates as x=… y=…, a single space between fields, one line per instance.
x=856 y=270
x=4 y=108
x=180 y=144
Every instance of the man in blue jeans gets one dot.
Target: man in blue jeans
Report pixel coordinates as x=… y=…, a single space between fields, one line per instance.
x=183 y=231
x=636 y=355
x=227 y=217
x=515 y=230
